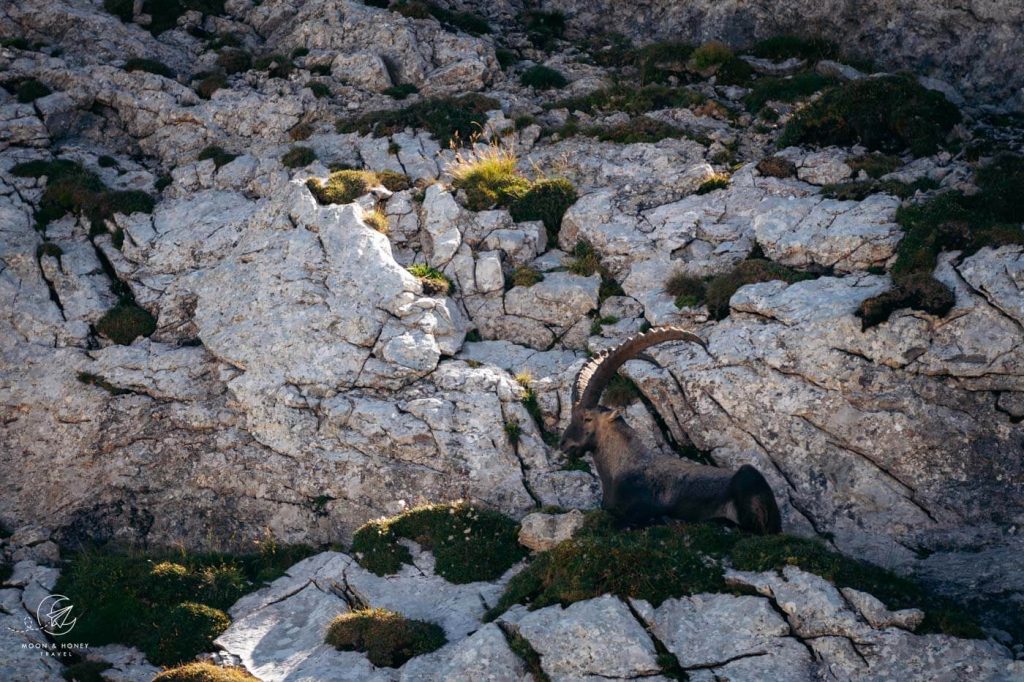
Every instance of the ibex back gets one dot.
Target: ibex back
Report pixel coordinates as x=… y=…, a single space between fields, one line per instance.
x=641 y=486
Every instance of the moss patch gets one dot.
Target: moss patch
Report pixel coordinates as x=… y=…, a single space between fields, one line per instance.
x=717 y=290
x=546 y=200
x=70 y=188
x=125 y=322
x=886 y=114
x=768 y=552
x=543 y=29
x=787 y=89
x=171 y=606
x=543 y=78
x=149 y=66
x=470 y=544
x=435 y=282
x=632 y=99
x=388 y=639
x=298 y=157
x=653 y=563
x=210 y=84
x=30 y=90
x=776 y=167
x=400 y=91
x=875 y=165
x=525 y=276
x=661 y=562
x=164 y=13
x=783 y=47
x=203 y=672
x=947 y=222
x=444 y=118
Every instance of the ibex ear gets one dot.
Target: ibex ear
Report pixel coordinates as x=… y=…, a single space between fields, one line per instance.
x=613 y=413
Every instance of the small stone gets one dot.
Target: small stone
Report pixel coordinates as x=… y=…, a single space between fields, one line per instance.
x=541 y=532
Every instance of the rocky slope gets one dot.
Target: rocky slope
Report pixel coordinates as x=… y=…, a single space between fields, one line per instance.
x=289 y=377
x=976 y=45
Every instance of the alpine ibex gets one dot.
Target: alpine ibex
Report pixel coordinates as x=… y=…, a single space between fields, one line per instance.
x=641 y=486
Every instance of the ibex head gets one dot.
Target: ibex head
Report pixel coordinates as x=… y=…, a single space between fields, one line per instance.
x=581 y=434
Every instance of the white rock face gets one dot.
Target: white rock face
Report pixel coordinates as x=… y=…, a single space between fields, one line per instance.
x=301 y=381
x=599 y=637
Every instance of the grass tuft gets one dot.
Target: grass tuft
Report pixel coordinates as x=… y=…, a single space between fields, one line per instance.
x=620 y=392
x=687 y=291
x=715 y=181
x=776 y=167
x=345 y=186
x=788 y=89
x=543 y=29
x=435 y=282
x=546 y=200
x=275 y=65
x=469 y=544
x=210 y=84
x=70 y=188
x=526 y=276
x=378 y=220
x=710 y=54
x=203 y=672
x=488 y=176
x=387 y=638
x=400 y=91
x=218 y=155
x=543 y=78
x=632 y=99
x=716 y=291
x=298 y=157
x=875 y=165
x=234 y=60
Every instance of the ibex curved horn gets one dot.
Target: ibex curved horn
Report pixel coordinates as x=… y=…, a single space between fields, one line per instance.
x=595 y=375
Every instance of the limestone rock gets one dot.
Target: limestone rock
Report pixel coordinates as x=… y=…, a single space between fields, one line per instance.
x=590 y=638
x=875 y=612
x=541 y=532
x=363 y=69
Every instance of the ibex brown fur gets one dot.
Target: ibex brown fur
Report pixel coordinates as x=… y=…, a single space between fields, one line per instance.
x=641 y=486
